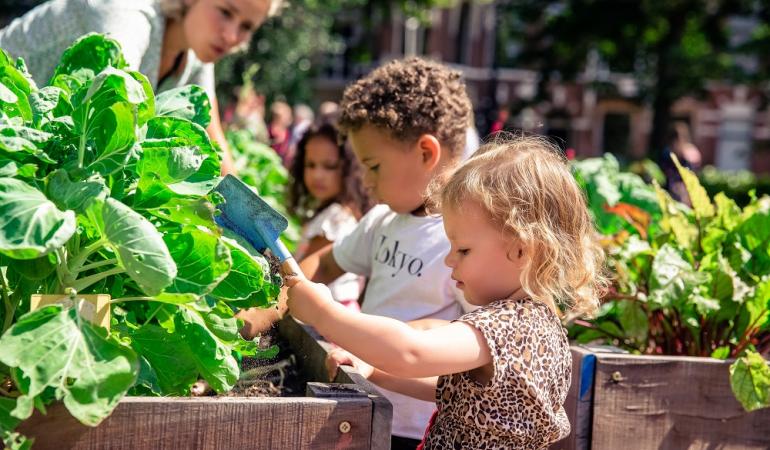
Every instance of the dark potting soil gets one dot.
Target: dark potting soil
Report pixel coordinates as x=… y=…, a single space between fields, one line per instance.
x=273 y=377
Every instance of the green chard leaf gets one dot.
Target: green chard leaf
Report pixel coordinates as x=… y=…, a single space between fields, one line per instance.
x=54 y=348
x=750 y=381
x=30 y=225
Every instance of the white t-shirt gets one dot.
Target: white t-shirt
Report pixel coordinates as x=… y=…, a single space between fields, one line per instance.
x=403 y=257
x=333 y=223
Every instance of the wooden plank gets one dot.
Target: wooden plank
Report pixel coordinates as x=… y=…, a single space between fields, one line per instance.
x=382 y=409
x=211 y=423
x=579 y=401
x=662 y=402
x=313 y=350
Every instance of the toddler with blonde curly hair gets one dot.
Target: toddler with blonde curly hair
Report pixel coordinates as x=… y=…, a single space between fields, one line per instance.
x=523 y=250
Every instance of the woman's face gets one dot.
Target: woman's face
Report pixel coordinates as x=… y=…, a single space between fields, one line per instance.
x=213 y=28
x=323 y=169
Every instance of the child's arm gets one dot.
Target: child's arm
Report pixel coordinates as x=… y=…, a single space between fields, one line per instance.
x=420 y=388
x=321 y=267
x=388 y=344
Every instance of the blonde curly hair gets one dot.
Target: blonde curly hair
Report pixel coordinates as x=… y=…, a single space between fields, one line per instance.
x=525 y=185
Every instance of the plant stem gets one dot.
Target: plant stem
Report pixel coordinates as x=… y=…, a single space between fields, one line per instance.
x=151 y=316
x=131 y=299
x=83 y=283
x=82 y=256
x=10 y=308
x=97 y=264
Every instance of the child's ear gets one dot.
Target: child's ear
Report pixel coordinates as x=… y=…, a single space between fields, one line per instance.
x=430 y=150
x=515 y=252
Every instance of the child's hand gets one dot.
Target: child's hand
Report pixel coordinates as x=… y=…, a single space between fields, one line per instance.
x=338 y=357
x=305 y=298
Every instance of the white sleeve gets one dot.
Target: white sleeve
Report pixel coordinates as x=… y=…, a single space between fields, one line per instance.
x=204 y=77
x=333 y=223
x=127 y=24
x=353 y=253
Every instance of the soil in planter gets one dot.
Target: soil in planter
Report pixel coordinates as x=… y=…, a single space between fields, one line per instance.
x=274 y=377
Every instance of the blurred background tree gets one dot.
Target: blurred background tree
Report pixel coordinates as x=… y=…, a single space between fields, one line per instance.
x=286 y=52
x=671 y=47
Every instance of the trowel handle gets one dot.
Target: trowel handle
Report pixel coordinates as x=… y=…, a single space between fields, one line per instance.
x=291 y=266
x=288 y=263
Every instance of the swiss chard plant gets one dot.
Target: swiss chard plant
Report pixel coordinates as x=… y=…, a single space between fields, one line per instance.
x=687 y=280
x=106 y=188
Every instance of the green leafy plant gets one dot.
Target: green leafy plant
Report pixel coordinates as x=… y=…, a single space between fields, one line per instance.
x=687 y=281
x=260 y=166
x=106 y=188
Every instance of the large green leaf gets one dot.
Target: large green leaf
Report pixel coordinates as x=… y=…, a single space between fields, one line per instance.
x=54 y=347
x=105 y=117
x=187 y=102
x=750 y=381
x=139 y=247
x=30 y=224
x=20 y=143
x=672 y=279
x=202 y=261
x=210 y=341
x=188 y=134
x=76 y=195
x=169 y=164
x=94 y=52
x=10 y=169
x=633 y=319
x=250 y=272
x=169 y=357
x=172 y=175
x=15 y=88
x=753 y=234
x=698 y=196
x=187 y=211
x=7 y=421
x=49 y=103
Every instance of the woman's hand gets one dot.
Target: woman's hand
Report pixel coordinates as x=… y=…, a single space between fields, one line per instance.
x=338 y=357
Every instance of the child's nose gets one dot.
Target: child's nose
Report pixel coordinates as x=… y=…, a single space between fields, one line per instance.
x=448 y=260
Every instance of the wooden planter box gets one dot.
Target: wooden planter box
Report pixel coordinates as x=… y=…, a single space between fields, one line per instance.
x=352 y=415
x=629 y=402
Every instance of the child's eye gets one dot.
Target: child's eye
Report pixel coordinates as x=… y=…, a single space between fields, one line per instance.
x=225 y=13
x=334 y=166
x=463 y=251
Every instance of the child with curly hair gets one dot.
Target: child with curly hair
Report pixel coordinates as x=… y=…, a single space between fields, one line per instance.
x=327 y=194
x=406 y=123
x=523 y=250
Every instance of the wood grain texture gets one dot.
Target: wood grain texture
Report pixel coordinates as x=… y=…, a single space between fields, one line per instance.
x=308 y=343
x=660 y=402
x=211 y=423
x=336 y=421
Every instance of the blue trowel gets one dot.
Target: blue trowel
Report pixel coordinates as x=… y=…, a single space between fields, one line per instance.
x=245 y=213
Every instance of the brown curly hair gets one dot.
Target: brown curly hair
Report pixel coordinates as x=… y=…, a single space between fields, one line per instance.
x=409 y=98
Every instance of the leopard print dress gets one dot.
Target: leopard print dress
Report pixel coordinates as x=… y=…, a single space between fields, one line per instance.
x=521 y=406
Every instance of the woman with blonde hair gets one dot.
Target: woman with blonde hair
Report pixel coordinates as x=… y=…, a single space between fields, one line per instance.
x=172 y=42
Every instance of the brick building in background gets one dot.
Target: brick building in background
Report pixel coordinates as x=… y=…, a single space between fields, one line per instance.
x=600 y=112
